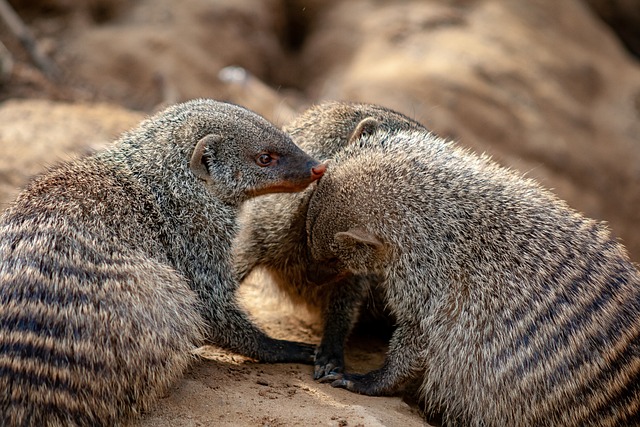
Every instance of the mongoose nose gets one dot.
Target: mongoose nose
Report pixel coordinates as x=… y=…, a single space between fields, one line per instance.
x=318 y=171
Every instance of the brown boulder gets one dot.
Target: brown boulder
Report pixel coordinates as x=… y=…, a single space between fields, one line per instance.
x=165 y=52
x=624 y=18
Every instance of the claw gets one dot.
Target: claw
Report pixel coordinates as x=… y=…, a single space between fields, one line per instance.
x=318 y=373
x=331 y=376
x=341 y=383
x=322 y=371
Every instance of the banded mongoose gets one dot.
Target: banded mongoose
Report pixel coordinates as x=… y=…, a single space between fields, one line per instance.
x=273 y=235
x=511 y=308
x=115 y=266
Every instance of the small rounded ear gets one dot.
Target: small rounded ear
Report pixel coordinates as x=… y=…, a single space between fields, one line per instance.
x=357 y=235
x=360 y=251
x=365 y=127
x=202 y=155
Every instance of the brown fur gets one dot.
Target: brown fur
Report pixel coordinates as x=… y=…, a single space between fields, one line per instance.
x=511 y=308
x=273 y=235
x=114 y=267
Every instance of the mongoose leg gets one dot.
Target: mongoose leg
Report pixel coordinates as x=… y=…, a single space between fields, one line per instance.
x=401 y=365
x=340 y=314
x=233 y=330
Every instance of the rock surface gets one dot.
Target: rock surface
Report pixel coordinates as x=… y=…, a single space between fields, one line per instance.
x=623 y=16
x=37 y=134
x=545 y=87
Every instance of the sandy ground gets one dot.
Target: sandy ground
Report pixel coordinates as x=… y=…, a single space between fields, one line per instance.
x=224 y=389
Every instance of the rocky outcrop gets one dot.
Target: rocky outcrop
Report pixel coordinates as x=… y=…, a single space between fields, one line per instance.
x=164 y=52
x=545 y=87
x=623 y=16
x=35 y=135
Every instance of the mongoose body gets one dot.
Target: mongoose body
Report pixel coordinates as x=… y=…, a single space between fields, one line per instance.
x=273 y=233
x=512 y=309
x=114 y=267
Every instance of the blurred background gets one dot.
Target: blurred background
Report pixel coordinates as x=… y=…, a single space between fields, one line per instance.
x=551 y=88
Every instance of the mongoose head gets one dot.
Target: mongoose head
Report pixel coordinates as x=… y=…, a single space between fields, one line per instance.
x=325 y=129
x=273 y=165
x=234 y=153
x=339 y=227
x=355 y=251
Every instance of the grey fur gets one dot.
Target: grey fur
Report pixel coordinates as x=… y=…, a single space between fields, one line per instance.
x=114 y=267
x=512 y=308
x=273 y=234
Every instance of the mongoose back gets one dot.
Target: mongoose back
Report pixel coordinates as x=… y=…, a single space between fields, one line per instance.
x=512 y=308
x=114 y=267
x=273 y=234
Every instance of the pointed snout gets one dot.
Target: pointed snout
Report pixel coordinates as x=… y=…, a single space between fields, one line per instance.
x=318 y=171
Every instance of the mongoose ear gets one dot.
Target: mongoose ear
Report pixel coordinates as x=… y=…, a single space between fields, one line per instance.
x=358 y=236
x=202 y=155
x=365 y=127
x=361 y=251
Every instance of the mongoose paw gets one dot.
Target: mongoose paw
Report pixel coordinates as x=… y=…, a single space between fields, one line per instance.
x=330 y=369
x=332 y=377
x=357 y=383
x=291 y=352
x=329 y=360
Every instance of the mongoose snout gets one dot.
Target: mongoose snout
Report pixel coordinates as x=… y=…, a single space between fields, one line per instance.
x=318 y=171
x=291 y=183
x=295 y=180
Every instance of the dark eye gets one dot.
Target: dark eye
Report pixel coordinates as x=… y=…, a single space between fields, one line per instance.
x=264 y=159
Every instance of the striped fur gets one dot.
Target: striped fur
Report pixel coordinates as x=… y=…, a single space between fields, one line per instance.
x=113 y=268
x=511 y=307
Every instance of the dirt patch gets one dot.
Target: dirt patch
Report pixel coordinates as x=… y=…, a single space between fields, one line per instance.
x=224 y=389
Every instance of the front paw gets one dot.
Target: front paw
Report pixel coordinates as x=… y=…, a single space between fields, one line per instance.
x=291 y=352
x=357 y=383
x=327 y=364
x=303 y=353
